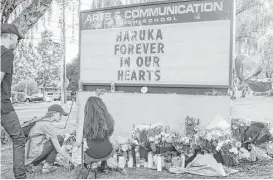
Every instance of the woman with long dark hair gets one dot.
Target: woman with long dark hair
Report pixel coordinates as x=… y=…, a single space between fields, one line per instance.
x=97 y=128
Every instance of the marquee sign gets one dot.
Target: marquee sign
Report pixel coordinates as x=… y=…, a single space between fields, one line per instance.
x=178 y=44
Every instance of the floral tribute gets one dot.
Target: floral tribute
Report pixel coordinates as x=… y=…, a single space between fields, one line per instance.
x=238 y=127
x=192 y=125
x=161 y=140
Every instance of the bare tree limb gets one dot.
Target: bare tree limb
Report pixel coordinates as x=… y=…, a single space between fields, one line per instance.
x=247 y=6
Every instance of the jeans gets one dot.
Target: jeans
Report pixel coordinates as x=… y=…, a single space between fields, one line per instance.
x=49 y=152
x=11 y=124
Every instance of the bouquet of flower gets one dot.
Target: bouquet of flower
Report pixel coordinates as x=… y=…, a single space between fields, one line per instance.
x=230 y=148
x=140 y=133
x=160 y=142
x=238 y=127
x=70 y=138
x=121 y=145
x=192 y=125
x=208 y=139
x=183 y=144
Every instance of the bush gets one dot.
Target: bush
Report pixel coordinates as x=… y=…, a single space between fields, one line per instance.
x=18 y=96
x=21 y=97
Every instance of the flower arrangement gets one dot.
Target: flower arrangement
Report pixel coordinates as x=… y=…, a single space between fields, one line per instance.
x=152 y=136
x=230 y=148
x=183 y=145
x=123 y=146
x=192 y=125
x=70 y=138
x=238 y=127
x=140 y=134
x=161 y=142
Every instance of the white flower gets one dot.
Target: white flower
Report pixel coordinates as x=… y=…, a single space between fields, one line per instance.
x=218 y=148
x=135 y=142
x=162 y=133
x=238 y=144
x=230 y=150
x=124 y=147
x=156 y=125
x=209 y=137
x=220 y=144
x=236 y=151
x=151 y=139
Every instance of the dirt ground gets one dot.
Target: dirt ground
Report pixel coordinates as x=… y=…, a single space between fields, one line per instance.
x=255 y=108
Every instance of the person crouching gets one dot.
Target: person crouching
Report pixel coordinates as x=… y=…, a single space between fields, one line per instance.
x=97 y=129
x=44 y=143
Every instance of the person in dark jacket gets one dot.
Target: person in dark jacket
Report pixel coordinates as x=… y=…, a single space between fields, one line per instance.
x=10 y=37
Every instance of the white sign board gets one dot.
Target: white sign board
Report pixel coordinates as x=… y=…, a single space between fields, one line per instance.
x=179 y=43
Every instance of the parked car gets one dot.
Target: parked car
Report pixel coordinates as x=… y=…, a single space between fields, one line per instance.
x=35 y=97
x=57 y=97
x=49 y=96
x=69 y=96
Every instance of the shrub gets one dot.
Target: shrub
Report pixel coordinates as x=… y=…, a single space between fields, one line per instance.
x=21 y=97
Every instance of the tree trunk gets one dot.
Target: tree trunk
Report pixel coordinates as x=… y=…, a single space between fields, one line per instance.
x=31 y=15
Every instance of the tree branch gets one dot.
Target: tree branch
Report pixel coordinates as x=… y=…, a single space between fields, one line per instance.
x=7 y=8
x=31 y=15
x=246 y=7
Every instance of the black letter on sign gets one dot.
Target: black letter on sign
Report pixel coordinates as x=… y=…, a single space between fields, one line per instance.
x=116 y=48
x=141 y=75
x=139 y=61
x=149 y=74
x=150 y=34
x=159 y=34
x=160 y=48
x=156 y=61
x=120 y=75
x=126 y=37
x=134 y=76
x=119 y=36
x=157 y=74
x=130 y=49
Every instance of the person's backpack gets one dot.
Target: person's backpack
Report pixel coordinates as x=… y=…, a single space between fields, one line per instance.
x=27 y=125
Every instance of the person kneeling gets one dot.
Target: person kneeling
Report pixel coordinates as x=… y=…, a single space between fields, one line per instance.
x=44 y=143
x=98 y=127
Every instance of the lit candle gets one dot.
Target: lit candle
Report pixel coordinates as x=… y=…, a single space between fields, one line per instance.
x=150 y=160
x=159 y=163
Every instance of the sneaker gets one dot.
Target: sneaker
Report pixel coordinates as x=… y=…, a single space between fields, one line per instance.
x=49 y=169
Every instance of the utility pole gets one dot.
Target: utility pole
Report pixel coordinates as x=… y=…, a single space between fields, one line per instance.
x=63 y=79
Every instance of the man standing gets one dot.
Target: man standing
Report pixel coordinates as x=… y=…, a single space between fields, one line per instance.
x=9 y=120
